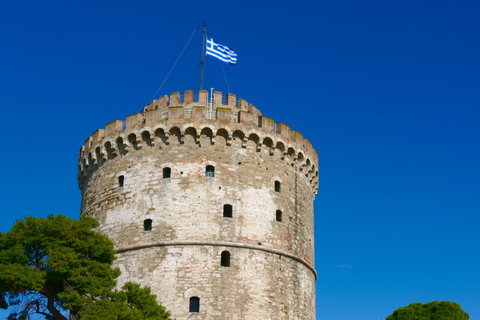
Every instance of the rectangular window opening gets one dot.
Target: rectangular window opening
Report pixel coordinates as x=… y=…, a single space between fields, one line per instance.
x=277 y=186
x=194 y=304
x=167 y=172
x=279 y=216
x=227 y=210
x=210 y=171
x=147 y=225
x=121 y=180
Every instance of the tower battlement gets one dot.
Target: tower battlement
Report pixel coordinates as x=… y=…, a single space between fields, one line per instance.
x=201 y=99
x=190 y=117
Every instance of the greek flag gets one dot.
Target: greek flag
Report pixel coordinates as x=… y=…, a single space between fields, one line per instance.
x=220 y=51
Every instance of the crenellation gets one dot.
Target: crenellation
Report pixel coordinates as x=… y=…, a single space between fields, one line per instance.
x=98 y=135
x=174 y=99
x=217 y=99
x=231 y=100
x=81 y=153
x=151 y=106
x=89 y=143
x=188 y=97
x=267 y=124
x=113 y=128
x=203 y=97
x=283 y=130
x=242 y=104
x=296 y=136
x=153 y=117
x=163 y=102
x=133 y=121
x=245 y=118
x=252 y=109
x=308 y=147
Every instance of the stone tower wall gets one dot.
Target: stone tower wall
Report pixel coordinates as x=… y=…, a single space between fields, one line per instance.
x=271 y=273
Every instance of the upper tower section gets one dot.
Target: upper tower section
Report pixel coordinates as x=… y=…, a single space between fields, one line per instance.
x=190 y=115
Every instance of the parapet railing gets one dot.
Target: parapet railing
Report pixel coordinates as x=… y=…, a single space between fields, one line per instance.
x=202 y=98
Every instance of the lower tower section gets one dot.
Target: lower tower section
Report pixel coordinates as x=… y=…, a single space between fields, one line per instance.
x=256 y=285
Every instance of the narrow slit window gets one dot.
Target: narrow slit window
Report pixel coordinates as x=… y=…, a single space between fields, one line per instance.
x=147 y=225
x=277 y=186
x=167 y=173
x=210 y=172
x=225 y=261
x=121 y=180
x=227 y=210
x=279 y=216
x=194 y=304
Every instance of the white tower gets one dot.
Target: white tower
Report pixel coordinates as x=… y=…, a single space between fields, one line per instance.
x=209 y=204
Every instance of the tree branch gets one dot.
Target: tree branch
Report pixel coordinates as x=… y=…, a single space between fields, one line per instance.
x=51 y=307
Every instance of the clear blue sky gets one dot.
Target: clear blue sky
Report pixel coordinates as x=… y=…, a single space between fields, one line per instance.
x=387 y=91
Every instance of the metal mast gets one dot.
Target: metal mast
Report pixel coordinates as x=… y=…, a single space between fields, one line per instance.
x=202 y=62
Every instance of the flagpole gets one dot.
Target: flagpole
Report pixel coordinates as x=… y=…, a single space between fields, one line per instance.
x=202 y=62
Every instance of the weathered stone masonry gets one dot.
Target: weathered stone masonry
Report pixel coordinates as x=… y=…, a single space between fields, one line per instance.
x=169 y=225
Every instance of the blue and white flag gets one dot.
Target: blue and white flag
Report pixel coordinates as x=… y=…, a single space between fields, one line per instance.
x=220 y=51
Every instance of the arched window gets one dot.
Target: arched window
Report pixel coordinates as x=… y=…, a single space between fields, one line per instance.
x=147 y=225
x=210 y=172
x=279 y=216
x=227 y=210
x=277 y=186
x=166 y=173
x=225 y=261
x=121 y=179
x=194 y=304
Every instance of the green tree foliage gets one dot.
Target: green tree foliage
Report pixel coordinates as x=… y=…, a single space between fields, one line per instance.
x=59 y=268
x=443 y=310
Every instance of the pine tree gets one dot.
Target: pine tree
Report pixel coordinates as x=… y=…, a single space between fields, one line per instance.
x=60 y=268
